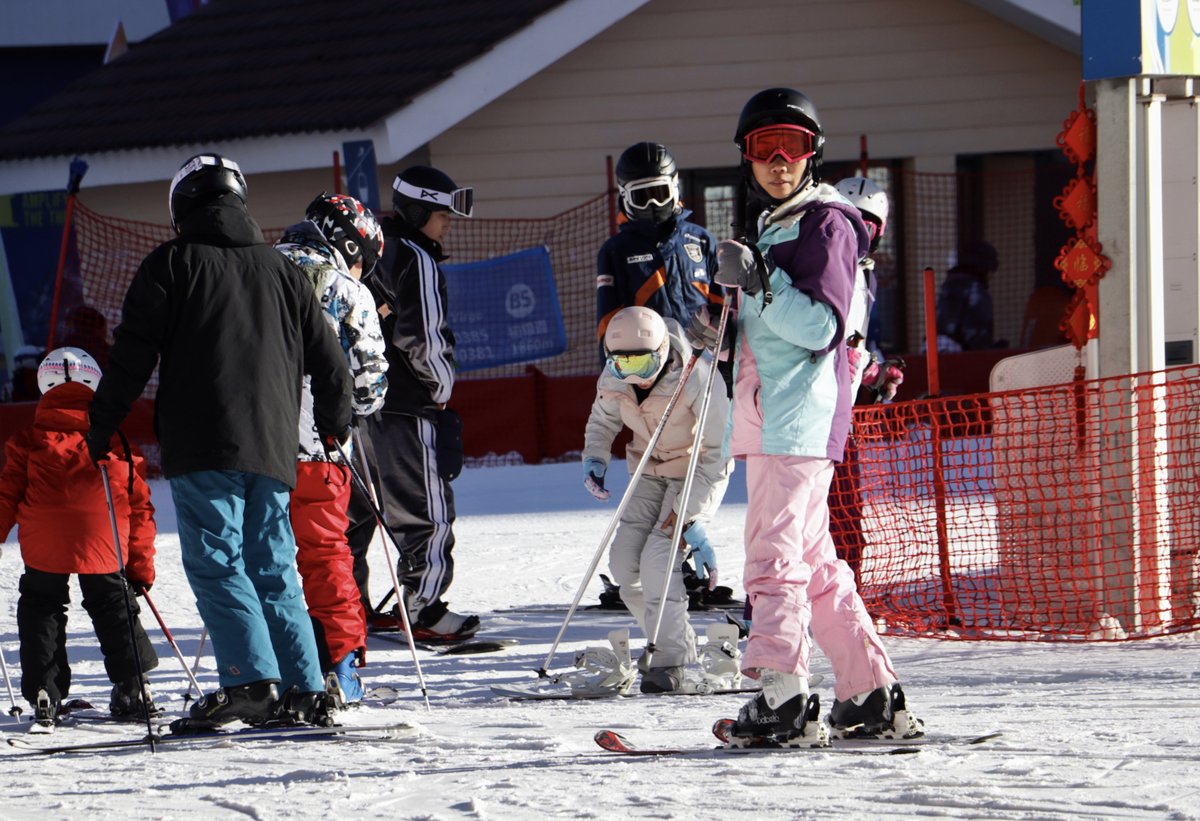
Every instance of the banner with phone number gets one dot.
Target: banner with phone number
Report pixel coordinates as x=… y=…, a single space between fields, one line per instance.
x=504 y=310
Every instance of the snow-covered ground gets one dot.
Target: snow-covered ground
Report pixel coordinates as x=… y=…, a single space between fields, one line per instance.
x=1089 y=730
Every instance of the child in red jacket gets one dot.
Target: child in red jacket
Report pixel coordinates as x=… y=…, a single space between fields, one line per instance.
x=52 y=491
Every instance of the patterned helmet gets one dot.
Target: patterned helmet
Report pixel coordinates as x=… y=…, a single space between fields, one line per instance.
x=349 y=226
x=64 y=365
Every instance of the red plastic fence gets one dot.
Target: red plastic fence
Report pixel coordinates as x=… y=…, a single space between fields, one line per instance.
x=1064 y=512
x=1044 y=514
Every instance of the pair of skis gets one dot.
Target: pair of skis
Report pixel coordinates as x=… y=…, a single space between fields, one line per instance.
x=465 y=647
x=614 y=742
x=385 y=732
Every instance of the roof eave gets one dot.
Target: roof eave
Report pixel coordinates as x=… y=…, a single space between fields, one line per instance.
x=483 y=80
x=1058 y=22
x=474 y=85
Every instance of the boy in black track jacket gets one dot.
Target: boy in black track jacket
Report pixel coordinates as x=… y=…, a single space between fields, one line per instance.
x=416 y=439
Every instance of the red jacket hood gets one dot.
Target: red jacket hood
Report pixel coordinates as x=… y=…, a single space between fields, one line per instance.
x=64 y=408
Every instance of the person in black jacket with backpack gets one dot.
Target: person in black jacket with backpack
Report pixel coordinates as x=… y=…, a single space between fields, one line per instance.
x=232 y=326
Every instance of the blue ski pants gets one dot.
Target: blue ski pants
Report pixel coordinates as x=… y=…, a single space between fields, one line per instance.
x=239 y=555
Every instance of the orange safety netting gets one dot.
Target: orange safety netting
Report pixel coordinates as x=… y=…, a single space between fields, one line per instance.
x=1062 y=512
x=1049 y=513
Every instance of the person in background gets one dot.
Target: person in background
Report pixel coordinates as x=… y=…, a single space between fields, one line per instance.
x=658 y=258
x=22 y=385
x=416 y=438
x=232 y=327
x=646 y=357
x=334 y=245
x=873 y=379
x=964 y=304
x=86 y=328
x=791 y=413
x=51 y=490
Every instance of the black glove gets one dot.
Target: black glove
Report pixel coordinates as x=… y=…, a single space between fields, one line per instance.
x=449 y=444
x=333 y=441
x=138 y=586
x=97 y=445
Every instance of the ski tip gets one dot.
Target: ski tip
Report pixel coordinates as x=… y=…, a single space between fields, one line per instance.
x=721 y=729
x=613 y=741
x=980 y=739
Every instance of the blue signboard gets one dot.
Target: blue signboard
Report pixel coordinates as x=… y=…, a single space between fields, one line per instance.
x=504 y=310
x=362 y=180
x=1130 y=38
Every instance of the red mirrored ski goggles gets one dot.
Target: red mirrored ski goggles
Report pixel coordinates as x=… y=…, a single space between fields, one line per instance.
x=793 y=142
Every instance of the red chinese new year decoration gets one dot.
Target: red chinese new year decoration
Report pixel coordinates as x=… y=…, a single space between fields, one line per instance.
x=1081 y=261
x=1077 y=205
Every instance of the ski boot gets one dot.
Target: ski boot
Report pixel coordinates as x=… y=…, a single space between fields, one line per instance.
x=126 y=701
x=880 y=713
x=344 y=684
x=435 y=622
x=663 y=679
x=300 y=709
x=45 y=712
x=255 y=703
x=603 y=671
x=782 y=715
x=720 y=659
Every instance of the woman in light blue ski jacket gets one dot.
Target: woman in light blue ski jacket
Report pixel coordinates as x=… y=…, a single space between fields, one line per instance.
x=792 y=400
x=789 y=401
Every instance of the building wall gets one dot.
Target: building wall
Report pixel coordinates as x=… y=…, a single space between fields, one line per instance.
x=918 y=77
x=924 y=80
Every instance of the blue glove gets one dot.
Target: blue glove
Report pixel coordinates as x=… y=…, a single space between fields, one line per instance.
x=593 y=478
x=700 y=548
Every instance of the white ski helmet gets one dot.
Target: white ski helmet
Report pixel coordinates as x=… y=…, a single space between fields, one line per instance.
x=870 y=200
x=64 y=365
x=636 y=345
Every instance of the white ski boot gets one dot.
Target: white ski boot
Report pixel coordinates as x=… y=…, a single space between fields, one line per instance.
x=720 y=660
x=601 y=671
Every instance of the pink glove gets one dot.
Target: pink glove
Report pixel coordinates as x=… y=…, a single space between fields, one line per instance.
x=854 y=356
x=884 y=378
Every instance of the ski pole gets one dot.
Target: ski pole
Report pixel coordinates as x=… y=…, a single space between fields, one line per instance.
x=616 y=518
x=367 y=490
x=151 y=737
x=171 y=641
x=14 y=711
x=688 y=477
x=196 y=666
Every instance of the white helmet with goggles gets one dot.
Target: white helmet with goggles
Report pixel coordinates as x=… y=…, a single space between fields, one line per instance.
x=636 y=345
x=871 y=201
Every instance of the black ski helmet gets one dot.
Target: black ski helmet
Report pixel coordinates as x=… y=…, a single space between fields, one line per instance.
x=201 y=179
x=349 y=226
x=648 y=182
x=776 y=106
x=419 y=190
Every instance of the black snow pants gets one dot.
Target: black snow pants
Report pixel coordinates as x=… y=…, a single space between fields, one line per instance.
x=42 y=628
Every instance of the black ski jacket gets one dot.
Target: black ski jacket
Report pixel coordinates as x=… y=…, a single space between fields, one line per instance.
x=233 y=325
x=420 y=344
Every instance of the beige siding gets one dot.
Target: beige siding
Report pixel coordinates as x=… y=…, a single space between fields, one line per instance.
x=918 y=77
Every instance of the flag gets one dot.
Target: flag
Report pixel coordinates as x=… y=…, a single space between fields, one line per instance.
x=117 y=44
